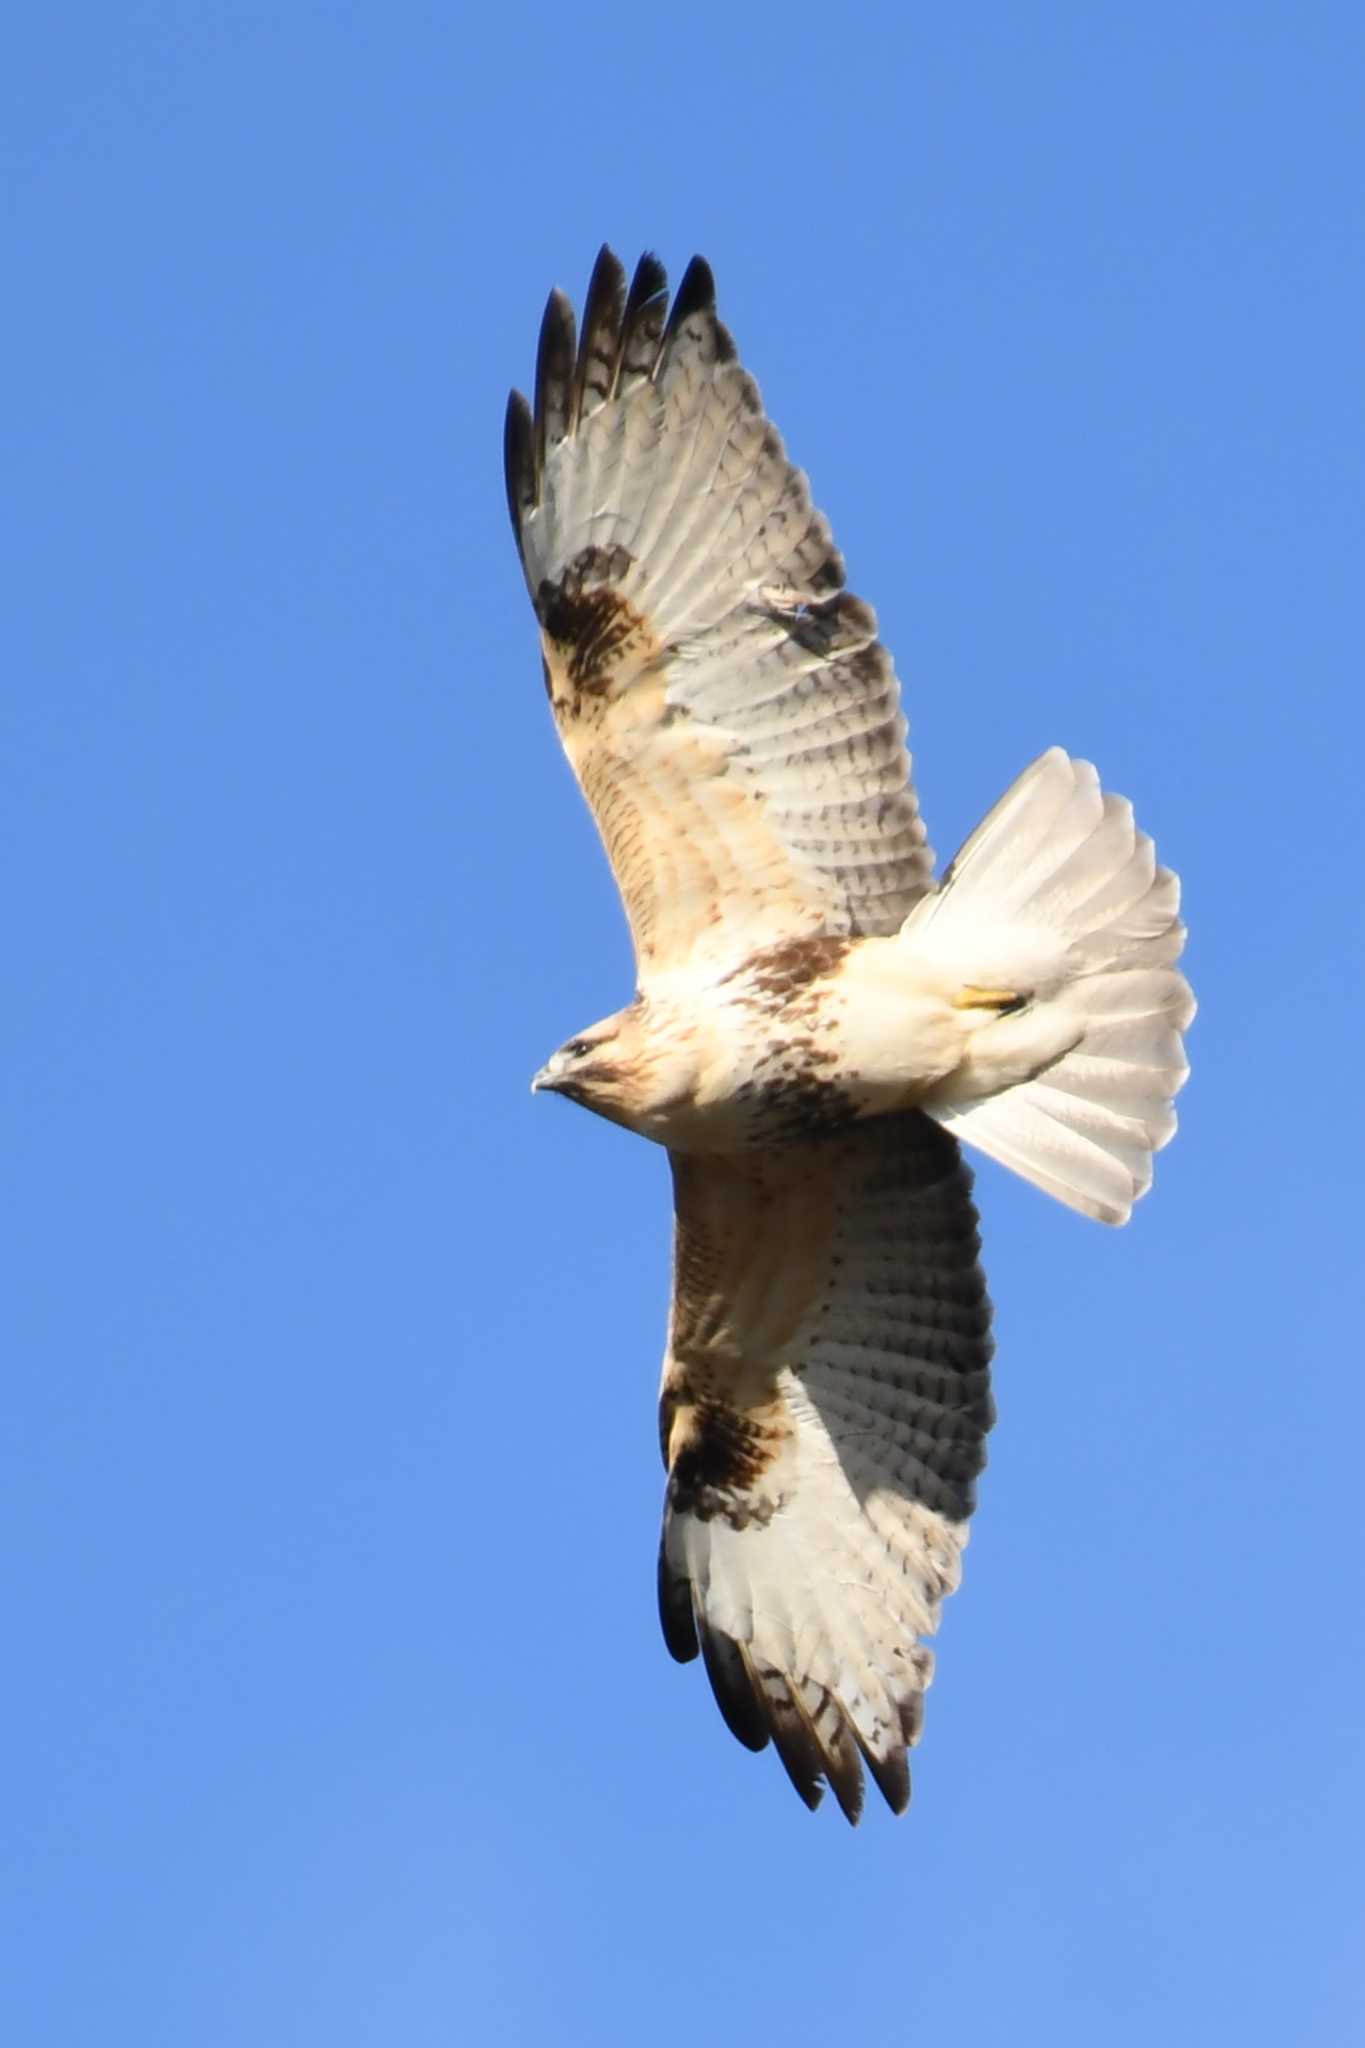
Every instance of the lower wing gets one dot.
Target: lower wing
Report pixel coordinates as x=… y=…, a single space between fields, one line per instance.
x=824 y=1408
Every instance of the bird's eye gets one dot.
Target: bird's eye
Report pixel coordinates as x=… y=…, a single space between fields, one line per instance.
x=576 y=1048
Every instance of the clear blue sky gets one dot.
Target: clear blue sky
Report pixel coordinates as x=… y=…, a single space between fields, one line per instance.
x=335 y=1708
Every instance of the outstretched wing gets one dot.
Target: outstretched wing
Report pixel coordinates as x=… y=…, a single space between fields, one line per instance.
x=825 y=1402
x=727 y=707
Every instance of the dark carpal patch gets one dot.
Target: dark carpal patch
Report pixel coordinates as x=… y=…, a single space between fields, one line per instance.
x=717 y=1470
x=829 y=626
x=586 y=617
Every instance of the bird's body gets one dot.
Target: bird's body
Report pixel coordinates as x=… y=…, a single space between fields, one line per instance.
x=794 y=1039
x=817 y=1019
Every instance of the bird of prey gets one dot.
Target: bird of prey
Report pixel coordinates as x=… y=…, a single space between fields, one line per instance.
x=818 y=1020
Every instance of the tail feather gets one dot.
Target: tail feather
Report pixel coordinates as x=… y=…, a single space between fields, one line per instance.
x=1058 y=896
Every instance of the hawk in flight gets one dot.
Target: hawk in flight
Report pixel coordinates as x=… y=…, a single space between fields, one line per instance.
x=818 y=1020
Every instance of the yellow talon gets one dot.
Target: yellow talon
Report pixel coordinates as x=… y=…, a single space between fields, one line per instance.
x=969 y=997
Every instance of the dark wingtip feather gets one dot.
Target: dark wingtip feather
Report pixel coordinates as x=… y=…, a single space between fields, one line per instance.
x=696 y=293
x=642 y=324
x=892 y=1777
x=519 y=461
x=649 y=282
x=730 y=1682
x=600 y=336
x=607 y=270
x=892 y=1772
x=801 y=1756
x=555 y=358
x=675 y=1611
x=845 y=1774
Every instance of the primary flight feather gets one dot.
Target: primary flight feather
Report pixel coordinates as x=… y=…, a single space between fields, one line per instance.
x=817 y=1020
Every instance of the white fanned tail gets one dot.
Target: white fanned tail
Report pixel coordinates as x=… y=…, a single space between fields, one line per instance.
x=1062 y=934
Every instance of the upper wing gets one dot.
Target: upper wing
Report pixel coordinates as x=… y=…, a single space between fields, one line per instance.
x=725 y=703
x=824 y=1407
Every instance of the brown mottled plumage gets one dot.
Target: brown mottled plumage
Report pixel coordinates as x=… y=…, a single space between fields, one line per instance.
x=814 y=1017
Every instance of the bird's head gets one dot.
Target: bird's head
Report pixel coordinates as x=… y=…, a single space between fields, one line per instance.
x=594 y=1068
x=625 y=1069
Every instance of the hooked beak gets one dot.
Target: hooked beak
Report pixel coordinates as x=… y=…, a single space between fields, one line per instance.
x=544 y=1082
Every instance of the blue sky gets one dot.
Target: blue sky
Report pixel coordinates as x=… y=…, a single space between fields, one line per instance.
x=335 y=1707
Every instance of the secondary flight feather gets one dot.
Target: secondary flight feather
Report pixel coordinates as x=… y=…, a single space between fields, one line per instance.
x=817 y=1020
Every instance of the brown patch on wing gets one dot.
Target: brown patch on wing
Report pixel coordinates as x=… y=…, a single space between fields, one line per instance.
x=594 y=639
x=747 y=1241
x=685 y=842
x=792 y=968
x=718 y=1456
